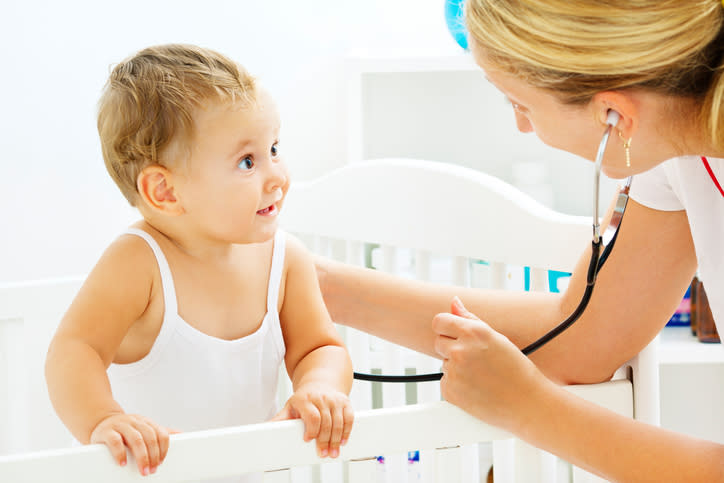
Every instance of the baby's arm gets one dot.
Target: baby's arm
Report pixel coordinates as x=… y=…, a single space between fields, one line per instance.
x=316 y=359
x=114 y=296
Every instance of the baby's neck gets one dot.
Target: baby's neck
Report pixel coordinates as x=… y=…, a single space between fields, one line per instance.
x=195 y=247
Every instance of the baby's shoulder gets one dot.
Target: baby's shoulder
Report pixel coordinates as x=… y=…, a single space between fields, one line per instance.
x=128 y=256
x=295 y=252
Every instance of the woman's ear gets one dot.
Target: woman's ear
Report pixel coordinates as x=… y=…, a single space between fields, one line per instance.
x=623 y=104
x=156 y=188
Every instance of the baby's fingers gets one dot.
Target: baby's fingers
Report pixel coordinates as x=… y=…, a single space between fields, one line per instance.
x=312 y=419
x=135 y=441
x=342 y=420
x=348 y=418
x=325 y=431
x=335 y=437
x=114 y=441
x=157 y=451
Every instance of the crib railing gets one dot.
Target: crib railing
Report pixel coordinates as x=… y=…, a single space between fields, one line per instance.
x=277 y=448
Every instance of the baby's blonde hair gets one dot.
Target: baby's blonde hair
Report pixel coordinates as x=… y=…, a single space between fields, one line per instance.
x=578 y=48
x=149 y=101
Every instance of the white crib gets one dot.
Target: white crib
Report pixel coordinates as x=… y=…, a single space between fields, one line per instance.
x=422 y=219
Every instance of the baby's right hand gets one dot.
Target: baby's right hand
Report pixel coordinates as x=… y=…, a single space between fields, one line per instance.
x=147 y=440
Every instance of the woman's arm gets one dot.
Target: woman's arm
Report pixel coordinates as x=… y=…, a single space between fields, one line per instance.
x=636 y=292
x=488 y=377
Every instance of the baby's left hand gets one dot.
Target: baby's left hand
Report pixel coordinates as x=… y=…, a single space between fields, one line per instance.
x=327 y=415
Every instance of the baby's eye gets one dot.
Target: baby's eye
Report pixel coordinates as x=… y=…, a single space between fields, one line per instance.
x=246 y=163
x=275 y=150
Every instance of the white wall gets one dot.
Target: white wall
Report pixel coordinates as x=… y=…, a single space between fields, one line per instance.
x=58 y=207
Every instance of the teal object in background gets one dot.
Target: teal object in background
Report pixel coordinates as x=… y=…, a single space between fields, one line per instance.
x=455 y=22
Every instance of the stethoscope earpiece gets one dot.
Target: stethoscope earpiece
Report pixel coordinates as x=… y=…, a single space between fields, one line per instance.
x=612 y=118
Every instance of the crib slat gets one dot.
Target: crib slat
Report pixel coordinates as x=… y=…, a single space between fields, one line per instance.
x=355 y=253
x=302 y=474
x=422 y=265
x=447 y=465
x=470 y=463
x=362 y=471
x=428 y=391
x=392 y=394
x=277 y=476
x=497 y=275
x=527 y=462
x=13 y=431
x=538 y=280
x=457 y=464
x=331 y=472
x=358 y=344
x=427 y=466
x=461 y=272
x=324 y=246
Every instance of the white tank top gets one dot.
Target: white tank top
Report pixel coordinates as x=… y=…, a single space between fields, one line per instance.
x=192 y=381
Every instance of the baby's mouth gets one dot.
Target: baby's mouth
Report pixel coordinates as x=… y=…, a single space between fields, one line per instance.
x=267 y=211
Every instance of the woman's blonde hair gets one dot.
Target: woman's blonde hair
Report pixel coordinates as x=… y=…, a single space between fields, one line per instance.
x=578 y=48
x=149 y=101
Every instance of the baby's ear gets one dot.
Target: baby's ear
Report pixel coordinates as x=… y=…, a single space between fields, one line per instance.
x=156 y=189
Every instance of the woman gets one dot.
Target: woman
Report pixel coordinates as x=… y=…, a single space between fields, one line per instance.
x=565 y=65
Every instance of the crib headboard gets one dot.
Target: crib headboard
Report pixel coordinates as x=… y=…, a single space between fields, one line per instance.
x=427 y=205
x=29 y=314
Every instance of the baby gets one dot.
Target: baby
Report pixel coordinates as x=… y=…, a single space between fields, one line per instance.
x=184 y=321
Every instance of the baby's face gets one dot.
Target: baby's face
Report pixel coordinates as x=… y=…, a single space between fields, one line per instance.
x=235 y=180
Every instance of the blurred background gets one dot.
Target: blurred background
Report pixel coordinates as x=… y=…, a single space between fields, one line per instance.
x=58 y=207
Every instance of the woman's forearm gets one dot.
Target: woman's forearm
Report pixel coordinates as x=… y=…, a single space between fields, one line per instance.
x=401 y=310
x=613 y=446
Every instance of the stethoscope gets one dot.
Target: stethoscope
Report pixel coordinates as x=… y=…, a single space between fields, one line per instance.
x=598 y=258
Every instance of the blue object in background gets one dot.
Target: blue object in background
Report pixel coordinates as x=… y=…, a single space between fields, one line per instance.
x=682 y=315
x=455 y=22
x=553 y=277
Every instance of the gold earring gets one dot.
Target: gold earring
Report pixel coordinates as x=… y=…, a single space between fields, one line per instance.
x=627 y=147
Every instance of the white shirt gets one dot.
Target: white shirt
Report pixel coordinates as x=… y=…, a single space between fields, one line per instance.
x=684 y=184
x=191 y=381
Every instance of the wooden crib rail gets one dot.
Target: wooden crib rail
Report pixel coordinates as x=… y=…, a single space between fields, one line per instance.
x=276 y=447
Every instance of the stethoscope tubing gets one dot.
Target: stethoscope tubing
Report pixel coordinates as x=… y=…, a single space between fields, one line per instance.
x=594 y=266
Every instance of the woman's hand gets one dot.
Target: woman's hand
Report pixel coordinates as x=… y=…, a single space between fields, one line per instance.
x=326 y=413
x=485 y=374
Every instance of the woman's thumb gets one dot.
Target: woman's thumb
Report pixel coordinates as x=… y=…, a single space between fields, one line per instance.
x=457 y=308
